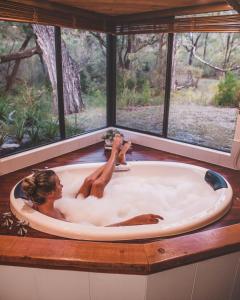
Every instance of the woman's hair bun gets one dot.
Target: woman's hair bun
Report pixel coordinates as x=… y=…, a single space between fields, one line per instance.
x=29 y=186
x=37 y=186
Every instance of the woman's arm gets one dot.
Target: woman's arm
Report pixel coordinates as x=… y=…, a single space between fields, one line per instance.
x=139 y=220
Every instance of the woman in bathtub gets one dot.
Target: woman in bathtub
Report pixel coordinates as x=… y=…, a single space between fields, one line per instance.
x=44 y=187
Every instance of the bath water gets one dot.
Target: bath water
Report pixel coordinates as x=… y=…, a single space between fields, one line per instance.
x=127 y=196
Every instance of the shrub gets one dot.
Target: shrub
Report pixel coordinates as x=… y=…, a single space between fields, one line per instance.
x=71 y=126
x=17 y=127
x=35 y=134
x=96 y=98
x=50 y=130
x=3 y=132
x=228 y=91
x=3 y=109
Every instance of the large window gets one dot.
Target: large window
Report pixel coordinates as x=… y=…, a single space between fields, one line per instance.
x=204 y=98
x=28 y=97
x=84 y=80
x=205 y=90
x=28 y=85
x=141 y=71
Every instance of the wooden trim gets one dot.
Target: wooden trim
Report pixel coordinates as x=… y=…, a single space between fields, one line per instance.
x=171 y=253
x=123 y=258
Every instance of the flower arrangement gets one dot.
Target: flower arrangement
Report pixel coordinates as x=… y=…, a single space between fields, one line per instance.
x=8 y=221
x=108 y=137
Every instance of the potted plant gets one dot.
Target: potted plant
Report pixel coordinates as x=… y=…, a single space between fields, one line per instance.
x=108 y=138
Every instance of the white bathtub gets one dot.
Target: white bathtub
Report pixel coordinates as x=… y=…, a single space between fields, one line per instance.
x=182 y=215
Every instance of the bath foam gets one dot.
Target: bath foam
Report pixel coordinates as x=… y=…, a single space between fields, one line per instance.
x=172 y=197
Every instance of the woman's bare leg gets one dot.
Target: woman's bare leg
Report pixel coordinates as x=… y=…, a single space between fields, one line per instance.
x=122 y=153
x=87 y=185
x=100 y=183
x=85 y=189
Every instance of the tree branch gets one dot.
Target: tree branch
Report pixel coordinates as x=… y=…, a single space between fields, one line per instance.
x=212 y=66
x=20 y=55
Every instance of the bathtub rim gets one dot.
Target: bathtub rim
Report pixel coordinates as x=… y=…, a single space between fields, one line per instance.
x=71 y=230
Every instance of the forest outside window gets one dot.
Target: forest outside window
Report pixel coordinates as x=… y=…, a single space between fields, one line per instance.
x=84 y=80
x=205 y=85
x=205 y=91
x=28 y=96
x=141 y=73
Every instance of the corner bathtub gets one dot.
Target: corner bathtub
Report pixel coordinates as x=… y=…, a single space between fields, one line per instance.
x=193 y=214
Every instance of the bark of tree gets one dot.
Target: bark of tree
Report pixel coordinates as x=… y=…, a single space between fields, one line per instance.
x=205 y=46
x=10 y=78
x=194 y=44
x=20 y=55
x=130 y=44
x=73 y=102
x=160 y=74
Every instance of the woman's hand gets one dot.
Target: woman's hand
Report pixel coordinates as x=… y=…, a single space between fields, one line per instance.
x=140 y=220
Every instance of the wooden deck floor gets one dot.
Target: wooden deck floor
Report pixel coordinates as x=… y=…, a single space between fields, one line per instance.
x=177 y=255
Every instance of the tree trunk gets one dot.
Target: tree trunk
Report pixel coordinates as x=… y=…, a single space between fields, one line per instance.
x=226 y=50
x=158 y=77
x=71 y=78
x=205 y=46
x=12 y=76
x=195 y=44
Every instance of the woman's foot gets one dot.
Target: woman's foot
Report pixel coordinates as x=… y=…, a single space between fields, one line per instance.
x=117 y=143
x=122 y=153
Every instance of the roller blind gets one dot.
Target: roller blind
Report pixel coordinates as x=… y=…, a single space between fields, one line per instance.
x=225 y=23
x=13 y=11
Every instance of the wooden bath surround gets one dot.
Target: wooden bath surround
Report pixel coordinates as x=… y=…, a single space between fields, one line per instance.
x=149 y=256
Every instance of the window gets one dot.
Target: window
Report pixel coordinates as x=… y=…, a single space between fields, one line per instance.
x=205 y=90
x=141 y=71
x=28 y=97
x=84 y=80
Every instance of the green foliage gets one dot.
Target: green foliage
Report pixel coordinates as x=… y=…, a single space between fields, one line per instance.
x=96 y=98
x=50 y=130
x=3 y=132
x=17 y=126
x=71 y=130
x=72 y=127
x=228 y=91
x=35 y=133
x=137 y=93
x=28 y=112
x=130 y=84
x=4 y=109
